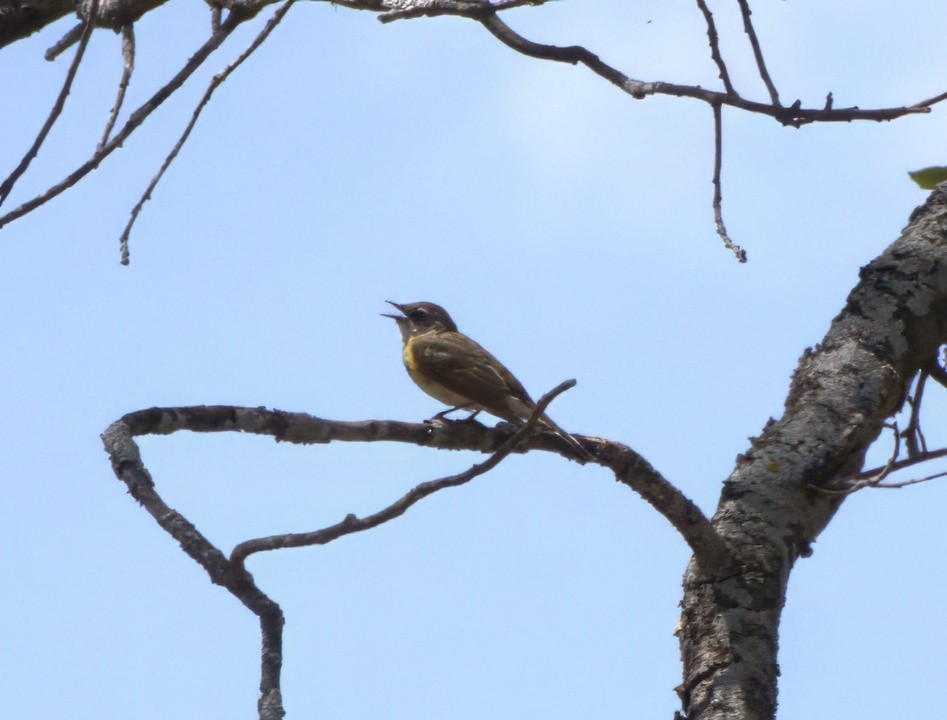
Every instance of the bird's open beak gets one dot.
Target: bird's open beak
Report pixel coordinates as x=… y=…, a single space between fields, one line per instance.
x=398 y=307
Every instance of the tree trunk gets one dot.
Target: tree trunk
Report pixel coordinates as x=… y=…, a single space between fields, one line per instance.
x=774 y=504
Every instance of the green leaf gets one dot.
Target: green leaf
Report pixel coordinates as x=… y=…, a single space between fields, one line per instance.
x=929 y=177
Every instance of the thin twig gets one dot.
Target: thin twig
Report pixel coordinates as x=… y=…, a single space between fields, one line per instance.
x=486 y=13
x=87 y=28
x=906 y=483
x=215 y=82
x=65 y=42
x=931 y=101
x=906 y=463
x=913 y=432
x=715 y=47
x=757 y=51
x=864 y=480
x=728 y=243
x=128 y=62
x=234 y=19
x=352 y=524
x=639 y=89
x=572 y=54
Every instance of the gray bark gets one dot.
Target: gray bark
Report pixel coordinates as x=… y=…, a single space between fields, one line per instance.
x=771 y=508
x=22 y=18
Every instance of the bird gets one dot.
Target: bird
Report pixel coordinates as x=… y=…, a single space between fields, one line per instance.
x=455 y=370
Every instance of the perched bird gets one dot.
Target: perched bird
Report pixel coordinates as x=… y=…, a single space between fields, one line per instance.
x=452 y=368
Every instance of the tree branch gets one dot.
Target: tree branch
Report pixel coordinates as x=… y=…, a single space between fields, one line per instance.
x=921 y=457
x=128 y=467
x=126 y=462
x=728 y=243
x=21 y=19
x=770 y=512
x=234 y=19
x=7 y=186
x=352 y=524
x=629 y=467
x=715 y=48
x=128 y=66
x=215 y=82
x=758 y=52
x=906 y=483
x=121 y=13
x=65 y=42
x=914 y=436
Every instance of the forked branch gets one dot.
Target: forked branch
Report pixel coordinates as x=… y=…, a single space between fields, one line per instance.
x=231 y=573
x=6 y=186
x=214 y=83
x=234 y=19
x=486 y=13
x=352 y=524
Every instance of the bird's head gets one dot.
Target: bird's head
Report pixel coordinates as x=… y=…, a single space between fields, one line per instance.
x=420 y=318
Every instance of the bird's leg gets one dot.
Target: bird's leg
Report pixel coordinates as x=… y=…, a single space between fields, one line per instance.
x=442 y=413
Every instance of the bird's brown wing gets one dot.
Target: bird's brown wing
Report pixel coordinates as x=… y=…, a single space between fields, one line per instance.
x=463 y=367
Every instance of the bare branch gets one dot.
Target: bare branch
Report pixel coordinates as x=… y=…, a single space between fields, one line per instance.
x=352 y=524
x=572 y=54
x=757 y=52
x=433 y=8
x=915 y=443
x=715 y=46
x=18 y=171
x=932 y=101
x=913 y=435
x=629 y=467
x=850 y=485
x=215 y=82
x=128 y=58
x=639 y=89
x=906 y=483
x=128 y=467
x=234 y=19
x=391 y=10
x=65 y=42
x=485 y=12
x=906 y=463
x=728 y=243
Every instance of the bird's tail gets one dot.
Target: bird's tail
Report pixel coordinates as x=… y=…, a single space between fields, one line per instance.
x=574 y=445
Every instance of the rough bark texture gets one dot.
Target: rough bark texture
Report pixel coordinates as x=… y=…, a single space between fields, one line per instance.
x=22 y=18
x=771 y=510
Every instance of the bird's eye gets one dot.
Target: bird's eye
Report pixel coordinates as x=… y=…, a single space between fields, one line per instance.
x=419 y=315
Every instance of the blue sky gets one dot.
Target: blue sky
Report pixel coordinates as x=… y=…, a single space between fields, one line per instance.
x=568 y=229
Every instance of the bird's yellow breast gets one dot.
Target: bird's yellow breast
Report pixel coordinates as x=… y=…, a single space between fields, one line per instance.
x=408 y=356
x=431 y=387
